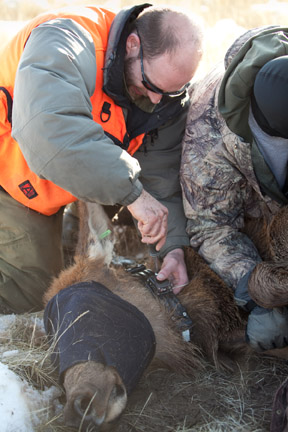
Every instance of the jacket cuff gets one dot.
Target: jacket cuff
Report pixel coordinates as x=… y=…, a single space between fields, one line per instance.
x=134 y=194
x=173 y=243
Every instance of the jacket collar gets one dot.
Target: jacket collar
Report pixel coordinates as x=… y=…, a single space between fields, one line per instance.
x=113 y=84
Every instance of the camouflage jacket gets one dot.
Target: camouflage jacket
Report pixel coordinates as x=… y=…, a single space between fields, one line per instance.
x=224 y=178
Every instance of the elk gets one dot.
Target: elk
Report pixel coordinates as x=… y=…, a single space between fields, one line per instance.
x=82 y=306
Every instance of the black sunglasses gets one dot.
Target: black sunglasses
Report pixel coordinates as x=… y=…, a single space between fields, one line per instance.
x=149 y=86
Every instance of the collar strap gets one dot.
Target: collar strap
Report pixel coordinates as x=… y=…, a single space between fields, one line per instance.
x=163 y=290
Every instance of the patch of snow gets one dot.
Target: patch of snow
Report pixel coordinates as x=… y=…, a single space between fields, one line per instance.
x=23 y=408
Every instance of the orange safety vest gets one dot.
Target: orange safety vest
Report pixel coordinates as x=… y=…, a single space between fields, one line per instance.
x=15 y=176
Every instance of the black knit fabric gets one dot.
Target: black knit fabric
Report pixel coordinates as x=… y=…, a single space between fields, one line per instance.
x=89 y=322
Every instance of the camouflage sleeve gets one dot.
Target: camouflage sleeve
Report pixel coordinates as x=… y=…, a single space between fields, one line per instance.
x=214 y=191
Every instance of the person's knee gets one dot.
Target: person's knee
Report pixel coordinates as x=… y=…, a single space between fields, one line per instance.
x=30 y=256
x=22 y=292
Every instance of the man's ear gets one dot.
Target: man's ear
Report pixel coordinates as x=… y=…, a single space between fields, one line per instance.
x=132 y=45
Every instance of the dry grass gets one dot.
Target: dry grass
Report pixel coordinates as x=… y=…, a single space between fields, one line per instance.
x=245 y=13
x=211 y=401
x=25 y=337
x=223 y=20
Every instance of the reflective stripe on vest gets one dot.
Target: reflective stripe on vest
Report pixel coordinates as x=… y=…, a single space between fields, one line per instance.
x=15 y=176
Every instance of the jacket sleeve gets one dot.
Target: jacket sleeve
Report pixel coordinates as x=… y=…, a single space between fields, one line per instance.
x=52 y=120
x=214 y=190
x=160 y=165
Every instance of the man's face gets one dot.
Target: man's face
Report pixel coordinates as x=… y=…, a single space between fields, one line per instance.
x=135 y=88
x=162 y=72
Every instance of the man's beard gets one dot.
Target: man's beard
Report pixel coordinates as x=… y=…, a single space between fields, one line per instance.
x=128 y=70
x=141 y=100
x=128 y=78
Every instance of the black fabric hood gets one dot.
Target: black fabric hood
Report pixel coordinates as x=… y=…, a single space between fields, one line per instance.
x=90 y=323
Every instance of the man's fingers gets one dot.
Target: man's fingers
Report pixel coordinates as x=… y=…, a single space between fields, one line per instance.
x=153 y=224
x=158 y=240
x=152 y=219
x=156 y=234
x=160 y=244
x=174 y=269
x=155 y=229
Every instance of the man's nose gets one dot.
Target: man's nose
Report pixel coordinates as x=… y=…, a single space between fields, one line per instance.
x=155 y=98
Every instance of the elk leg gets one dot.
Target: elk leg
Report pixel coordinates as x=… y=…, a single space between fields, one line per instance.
x=278 y=236
x=268 y=283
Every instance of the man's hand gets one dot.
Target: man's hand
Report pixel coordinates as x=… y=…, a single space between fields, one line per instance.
x=174 y=269
x=152 y=219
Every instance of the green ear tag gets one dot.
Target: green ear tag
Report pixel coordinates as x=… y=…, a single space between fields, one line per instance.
x=105 y=234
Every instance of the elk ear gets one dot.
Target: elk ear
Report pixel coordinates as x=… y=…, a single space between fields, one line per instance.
x=117 y=401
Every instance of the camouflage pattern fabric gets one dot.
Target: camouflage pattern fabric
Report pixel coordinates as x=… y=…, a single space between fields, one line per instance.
x=219 y=186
